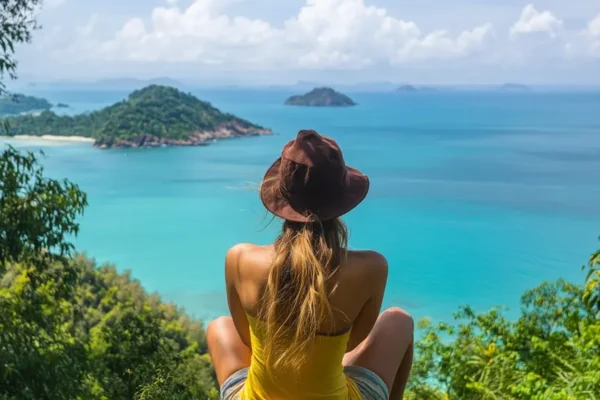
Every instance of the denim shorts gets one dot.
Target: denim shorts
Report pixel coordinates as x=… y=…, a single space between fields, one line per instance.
x=370 y=385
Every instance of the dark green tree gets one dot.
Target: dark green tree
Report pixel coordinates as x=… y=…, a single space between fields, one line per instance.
x=70 y=330
x=17 y=22
x=37 y=215
x=40 y=355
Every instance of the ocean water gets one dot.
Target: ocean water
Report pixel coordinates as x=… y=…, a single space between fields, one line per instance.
x=475 y=197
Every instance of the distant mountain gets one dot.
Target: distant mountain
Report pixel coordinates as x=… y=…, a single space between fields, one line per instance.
x=412 y=89
x=18 y=104
x=109 y=84
x=321 y=97
x=406 y=88
x=515 y=87
x=134 y=82
x=150 y=117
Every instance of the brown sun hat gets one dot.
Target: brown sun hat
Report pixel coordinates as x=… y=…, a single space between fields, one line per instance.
x=311 y=181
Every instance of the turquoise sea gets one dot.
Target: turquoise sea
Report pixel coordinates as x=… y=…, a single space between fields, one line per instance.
x=475 y=196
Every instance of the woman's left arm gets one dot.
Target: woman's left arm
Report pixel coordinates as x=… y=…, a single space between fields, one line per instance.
x=238 y=314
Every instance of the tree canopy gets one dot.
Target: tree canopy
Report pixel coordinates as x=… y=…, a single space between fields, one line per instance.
x=17 y=22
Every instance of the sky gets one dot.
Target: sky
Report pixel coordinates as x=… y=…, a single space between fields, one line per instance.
x=341 y=41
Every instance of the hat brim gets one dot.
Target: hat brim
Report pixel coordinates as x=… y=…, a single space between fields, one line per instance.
x=355 y=191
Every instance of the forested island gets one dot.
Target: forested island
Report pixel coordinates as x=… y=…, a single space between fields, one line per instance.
x=15 y=104
x=149 y=117
x=321 y=97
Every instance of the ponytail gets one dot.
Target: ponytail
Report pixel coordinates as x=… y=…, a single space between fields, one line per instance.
x=296 y=298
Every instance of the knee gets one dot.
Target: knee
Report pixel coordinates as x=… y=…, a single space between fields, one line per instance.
x=217 y=326
x=398 y=319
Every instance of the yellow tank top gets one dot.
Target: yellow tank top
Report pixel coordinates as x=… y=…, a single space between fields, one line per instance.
x=322 y=377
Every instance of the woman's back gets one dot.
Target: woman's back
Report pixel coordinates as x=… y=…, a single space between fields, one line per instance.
x=355 y=285
x=359 y=278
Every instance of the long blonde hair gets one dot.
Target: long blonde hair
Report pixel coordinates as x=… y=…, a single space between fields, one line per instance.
x=296 y=299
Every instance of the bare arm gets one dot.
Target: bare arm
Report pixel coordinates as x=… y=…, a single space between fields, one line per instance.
x=370 y=312
x=238 y=314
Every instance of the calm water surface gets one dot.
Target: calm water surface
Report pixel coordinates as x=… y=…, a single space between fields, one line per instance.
x=475 y=197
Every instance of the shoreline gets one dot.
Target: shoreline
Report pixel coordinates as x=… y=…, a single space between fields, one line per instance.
x=52 y=138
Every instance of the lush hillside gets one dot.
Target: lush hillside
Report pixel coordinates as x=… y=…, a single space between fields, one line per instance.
x=19 y=103
x=321 y=97
x=153 y=116
x=70 y=329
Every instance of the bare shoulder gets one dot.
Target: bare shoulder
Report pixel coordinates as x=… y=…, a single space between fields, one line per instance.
x=236 y=251
x=247 y=256
x=243 y=249
x=370 y=262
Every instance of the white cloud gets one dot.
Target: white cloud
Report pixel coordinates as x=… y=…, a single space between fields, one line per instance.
x=533 y=21
x=325 y=33
x=594 y=27
x=593 y=35
x=172 y=2
x=54 y=3
x=439 y=45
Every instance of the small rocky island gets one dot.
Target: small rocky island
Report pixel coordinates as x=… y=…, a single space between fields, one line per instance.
x=406 y=89
x=150 y=117
x=414 y=89
x=321 y=97
x=20 y=104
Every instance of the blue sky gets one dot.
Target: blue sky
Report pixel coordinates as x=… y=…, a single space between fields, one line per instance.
x=276 y=41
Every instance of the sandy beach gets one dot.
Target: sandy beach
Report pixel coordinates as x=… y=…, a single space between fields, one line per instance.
x=50 y=138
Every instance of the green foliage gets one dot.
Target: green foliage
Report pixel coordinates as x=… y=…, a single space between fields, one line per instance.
x=158 y=111
x=17 y=21
x=551 y=352
x=592 y=288
x=138 y=346
x=108 y=340
x=19 y=103
x=71 y=330
x=36 y=214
